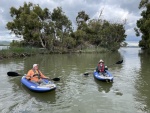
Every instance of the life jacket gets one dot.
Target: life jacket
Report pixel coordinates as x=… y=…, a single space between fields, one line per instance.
x=37 y=73
x=101 y=67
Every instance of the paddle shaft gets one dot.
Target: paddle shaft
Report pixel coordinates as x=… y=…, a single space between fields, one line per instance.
x=14 y=74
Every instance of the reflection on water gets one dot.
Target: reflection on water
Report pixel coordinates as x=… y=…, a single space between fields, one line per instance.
x=48 y=97
x=104 y=87
x=75 y=93
x=143 y=83
x=136 y=68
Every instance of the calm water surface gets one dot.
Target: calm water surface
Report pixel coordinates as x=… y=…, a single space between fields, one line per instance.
x=75 y=93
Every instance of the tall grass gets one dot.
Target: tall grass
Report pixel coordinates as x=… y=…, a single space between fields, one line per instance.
x=94 y=50
x=18 y=52
x=21 y=50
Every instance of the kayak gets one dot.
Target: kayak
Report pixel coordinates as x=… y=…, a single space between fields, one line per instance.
x=38 y=87
x=107 y=76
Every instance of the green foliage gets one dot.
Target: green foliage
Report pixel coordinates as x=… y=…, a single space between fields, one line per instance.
x=69 y=42
x=62 y=25
x=18 y=52
x=143 y=25
x=41 y=28
x=79 y=36
x=21 y=50
x=81 y=20
x=105 y=34
x=29 y=22
x=15 y=44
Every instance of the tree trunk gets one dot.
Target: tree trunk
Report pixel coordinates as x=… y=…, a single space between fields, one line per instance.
x=43 y=45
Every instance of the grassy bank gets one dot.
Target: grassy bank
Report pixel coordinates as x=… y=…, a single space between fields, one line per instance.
x=18 y=52
x=93 y=50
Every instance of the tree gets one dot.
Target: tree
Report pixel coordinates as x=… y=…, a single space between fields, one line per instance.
x=99 y=32
x=105 y=34
x=62 y=25
x=79 y=36
x=32 y=23
x=81 y=20
x=143 y=24
x=42 y=28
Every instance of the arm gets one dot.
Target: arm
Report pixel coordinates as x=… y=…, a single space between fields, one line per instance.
x=29 y=74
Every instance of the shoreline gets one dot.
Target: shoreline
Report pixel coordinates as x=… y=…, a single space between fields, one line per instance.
x=27 y=52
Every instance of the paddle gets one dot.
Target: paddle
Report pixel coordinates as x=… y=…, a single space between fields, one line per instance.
x=118 y=62
x=14 y=74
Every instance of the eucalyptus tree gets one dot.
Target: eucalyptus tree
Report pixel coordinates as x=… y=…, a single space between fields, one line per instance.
x=80 y=34
x=143 y=24
x=94 y=32
x=32 y=23
x=106 y=34
x=62 y=26
x=81 y=20
x=99 y=32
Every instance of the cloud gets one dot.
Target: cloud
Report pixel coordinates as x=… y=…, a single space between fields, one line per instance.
x=113 y=10
x=117 y=14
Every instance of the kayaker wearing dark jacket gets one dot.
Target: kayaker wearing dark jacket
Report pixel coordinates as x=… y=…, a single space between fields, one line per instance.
x=35 y=74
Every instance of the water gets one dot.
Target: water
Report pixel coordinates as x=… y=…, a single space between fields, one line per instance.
x=75 y=93
x=4 y=47
x=132 y=43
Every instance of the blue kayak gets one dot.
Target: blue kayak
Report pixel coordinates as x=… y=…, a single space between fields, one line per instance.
x=38 y=88
x=107 y=76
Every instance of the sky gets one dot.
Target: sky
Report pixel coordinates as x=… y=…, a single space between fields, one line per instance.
x=113 y=11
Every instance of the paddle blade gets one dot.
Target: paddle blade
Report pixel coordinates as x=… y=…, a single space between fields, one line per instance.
x=56 y=79
x=86 y=73
x=13 y=74
x=119 y=62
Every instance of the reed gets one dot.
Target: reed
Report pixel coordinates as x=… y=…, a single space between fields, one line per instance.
x=18 y=52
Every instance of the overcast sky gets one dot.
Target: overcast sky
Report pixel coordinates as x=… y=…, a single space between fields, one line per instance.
x=113 y=10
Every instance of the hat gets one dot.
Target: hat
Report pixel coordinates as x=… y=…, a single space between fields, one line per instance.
x=101 y=60
x=35 y=65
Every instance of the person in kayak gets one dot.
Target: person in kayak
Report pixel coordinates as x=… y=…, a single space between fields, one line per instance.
x=35 y=75
x=101 y=67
